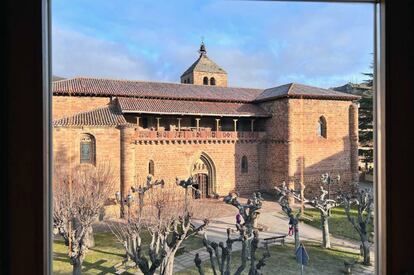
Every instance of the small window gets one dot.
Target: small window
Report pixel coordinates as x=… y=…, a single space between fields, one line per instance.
x=212 y=81
x=185 y=81
x=87 y=149
x=151 y=167
x=205 y=80
x=322 y=128
x=244 y=166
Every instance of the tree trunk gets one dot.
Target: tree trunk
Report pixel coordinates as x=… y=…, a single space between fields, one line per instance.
x=168 y=267
x=297 y=240
x=326 y=240
x=243 y=257
x=77 y=267
x=90 y=239
x=367 y=258
x=253 y=247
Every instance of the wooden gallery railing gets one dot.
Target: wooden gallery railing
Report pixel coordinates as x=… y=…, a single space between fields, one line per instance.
x=198 y=136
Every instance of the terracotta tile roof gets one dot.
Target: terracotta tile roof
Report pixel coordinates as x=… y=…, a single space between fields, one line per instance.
x=105 y=116
x=295 y=90
x=180 y=107
x=158 y=90
x=204 y=64
x=110 y=87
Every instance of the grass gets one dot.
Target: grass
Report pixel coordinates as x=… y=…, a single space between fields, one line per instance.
x=106 y=253
x=338 y=222
x=283 y=261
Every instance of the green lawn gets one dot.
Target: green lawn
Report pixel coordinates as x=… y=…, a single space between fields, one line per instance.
x=106 y=253
x=283 y=261
x=338 y=222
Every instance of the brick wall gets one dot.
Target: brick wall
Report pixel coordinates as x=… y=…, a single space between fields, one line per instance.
x=320 y=155
x=290 y=134
x=274 y=151
x=197 y=78
x=176 y=160
x=66 y=147
x=63 y=106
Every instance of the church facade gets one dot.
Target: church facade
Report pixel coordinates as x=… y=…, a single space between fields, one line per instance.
x=230 y=139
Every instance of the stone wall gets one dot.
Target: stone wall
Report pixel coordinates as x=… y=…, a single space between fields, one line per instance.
x=290 y=134
x=315 y=153
x=63 y=106
x=66 y=148
x=173 y=160
x=221 y=79
x=274 y=150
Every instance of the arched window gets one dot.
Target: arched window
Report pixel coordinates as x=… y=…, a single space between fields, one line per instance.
x=151 y=167
x=205 y=80
x=322 y=127
x=212 y=81
x=185 y=81
x=87 y=149
x=244 y=166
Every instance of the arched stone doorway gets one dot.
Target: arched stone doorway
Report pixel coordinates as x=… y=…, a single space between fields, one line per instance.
x=204 y=172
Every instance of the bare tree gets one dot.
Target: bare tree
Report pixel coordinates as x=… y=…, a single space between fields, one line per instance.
x=78 y=198
x=168 y=217
x=248 y=235
x=363 y=200
x=322 y=204
x=283 y=192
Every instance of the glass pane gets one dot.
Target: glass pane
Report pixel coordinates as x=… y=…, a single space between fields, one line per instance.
x=266 y=149
x=85 y=152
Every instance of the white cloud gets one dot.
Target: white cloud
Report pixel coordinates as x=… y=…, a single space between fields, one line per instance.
x=76 y=54
x=326 y=47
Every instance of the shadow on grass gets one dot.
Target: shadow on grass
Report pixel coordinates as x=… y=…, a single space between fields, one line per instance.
x=342 y=251
x=61 y=257
x=107 y=252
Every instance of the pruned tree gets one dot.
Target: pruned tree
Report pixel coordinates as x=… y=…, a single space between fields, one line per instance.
x=78 y=199
x=283 y=194
x=248 y=235
x=363 y=200
x=168 y=220
x=324 y=206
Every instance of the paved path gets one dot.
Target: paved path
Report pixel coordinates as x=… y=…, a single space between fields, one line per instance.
x=275 y=224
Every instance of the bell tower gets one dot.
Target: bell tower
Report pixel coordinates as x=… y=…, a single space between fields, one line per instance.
x=204 y=71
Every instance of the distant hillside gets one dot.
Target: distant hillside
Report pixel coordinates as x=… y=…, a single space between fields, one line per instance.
x=352 y=88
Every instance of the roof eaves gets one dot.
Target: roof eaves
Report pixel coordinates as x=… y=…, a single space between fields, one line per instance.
x=308 y=96
x=195 y=114
x=155 y=97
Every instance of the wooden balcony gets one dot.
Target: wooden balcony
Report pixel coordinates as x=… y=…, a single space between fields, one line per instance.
x=198 y=136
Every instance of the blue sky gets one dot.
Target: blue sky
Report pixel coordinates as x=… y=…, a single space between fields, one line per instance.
x=259 y=44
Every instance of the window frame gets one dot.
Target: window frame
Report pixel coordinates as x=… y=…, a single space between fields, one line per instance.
x=244 y=165
x=92 y=149
x=33 y=19
x=151 y=167
x=212 y=81
x=322 y=129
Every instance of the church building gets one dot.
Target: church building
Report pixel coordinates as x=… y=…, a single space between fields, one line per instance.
x=230 y=139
